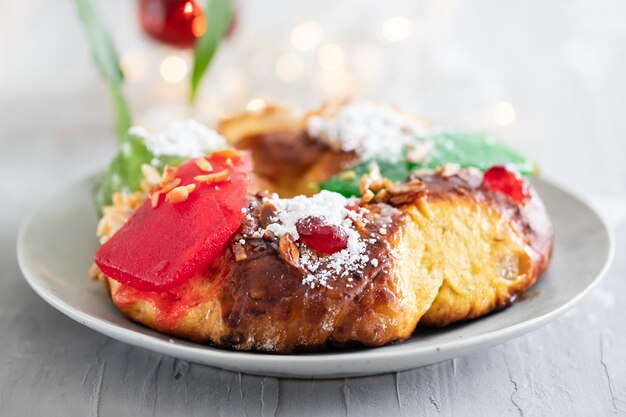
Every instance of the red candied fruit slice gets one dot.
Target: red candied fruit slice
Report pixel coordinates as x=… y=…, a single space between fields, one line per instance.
x=509 y=183
x=320 y=236
x=161 y=247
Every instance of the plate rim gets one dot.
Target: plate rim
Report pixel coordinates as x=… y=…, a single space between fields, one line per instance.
x=264 y=362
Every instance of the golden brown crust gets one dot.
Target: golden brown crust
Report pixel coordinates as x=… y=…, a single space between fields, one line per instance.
x=443 y=259
x=261 y=302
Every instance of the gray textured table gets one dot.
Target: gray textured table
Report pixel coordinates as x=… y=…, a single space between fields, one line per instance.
x=561 y=64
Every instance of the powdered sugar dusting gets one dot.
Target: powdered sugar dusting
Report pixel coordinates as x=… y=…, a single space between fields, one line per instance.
x=333 y=208
x=327 y=205
x=367 y=128
x=182 y=138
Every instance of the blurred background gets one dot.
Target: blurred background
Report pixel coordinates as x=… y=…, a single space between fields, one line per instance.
x=549 y=77
x=545 y=76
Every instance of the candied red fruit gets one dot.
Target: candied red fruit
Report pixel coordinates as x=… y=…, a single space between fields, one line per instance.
x=165 y=244
x=509 y=183
x=320 y=236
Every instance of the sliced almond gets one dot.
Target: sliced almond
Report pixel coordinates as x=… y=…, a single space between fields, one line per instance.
x=150 y=174
x=204 y=165
x=223 y=175
x=154 y=199
x=367 y=196
x=289 y=250
x=177 y=195
x=267 y=212
x=167 y=187
x=168 y=174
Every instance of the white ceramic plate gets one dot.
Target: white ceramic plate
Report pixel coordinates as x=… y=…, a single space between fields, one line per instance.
x=57 y=240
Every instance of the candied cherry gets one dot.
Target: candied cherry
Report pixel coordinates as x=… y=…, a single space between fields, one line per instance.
x=509 y=183
x=320 y=236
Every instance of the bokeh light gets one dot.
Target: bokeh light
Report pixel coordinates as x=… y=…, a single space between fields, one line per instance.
x=173 y=69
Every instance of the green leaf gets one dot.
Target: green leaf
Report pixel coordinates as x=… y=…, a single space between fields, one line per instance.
x=218 y=14
x=107 y=62
x=124 y=173
x=479 y=150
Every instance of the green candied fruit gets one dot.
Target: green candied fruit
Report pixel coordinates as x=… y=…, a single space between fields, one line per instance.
x=467 y=149
x=474 y=149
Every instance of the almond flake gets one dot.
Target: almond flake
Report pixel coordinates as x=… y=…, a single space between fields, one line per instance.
x=177 y=195
x=289 y=250
x=167 y=187
x=367 y=196
x=204 y=165
x=150 y=174
x=168 y=173
x=154 y=200
x=223 y=175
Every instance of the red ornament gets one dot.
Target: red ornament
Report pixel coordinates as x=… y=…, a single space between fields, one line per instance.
x=322 y=237
x=174 y=22
x=509 y=183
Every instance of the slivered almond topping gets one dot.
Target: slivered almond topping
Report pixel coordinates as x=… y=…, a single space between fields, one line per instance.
x=367 y=196
x=150 y=174
x=229 y=162
x=406 y=192
x=204 y=165
x=289 y=250
x=154 y=199
x=223 y=175
x=371 y=181
x=103 y=226
x=448 y=170
x=177 y=195
x=358 y=223
x=382 y=196
x=239 y=252
x=168 y=174
x=116 y=220
x=166 y=188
